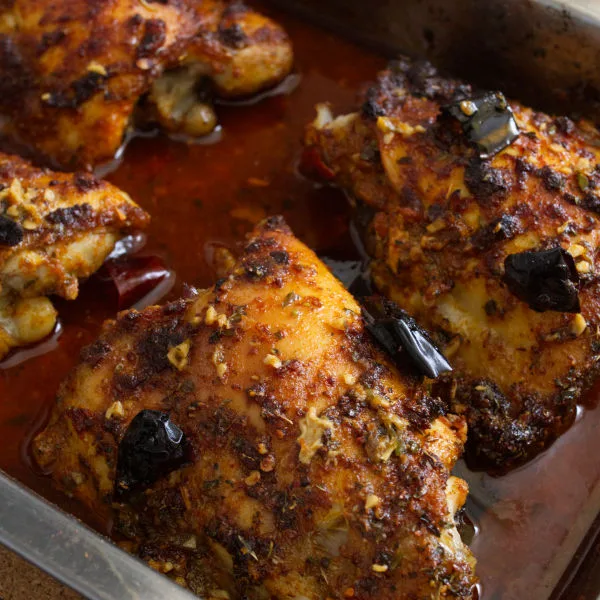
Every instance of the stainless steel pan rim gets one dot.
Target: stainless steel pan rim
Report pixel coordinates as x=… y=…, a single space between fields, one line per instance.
x=522 y=46
x=74 y=554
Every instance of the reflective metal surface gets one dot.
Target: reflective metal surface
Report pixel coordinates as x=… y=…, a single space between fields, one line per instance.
x=545 y=52
x=72 y=553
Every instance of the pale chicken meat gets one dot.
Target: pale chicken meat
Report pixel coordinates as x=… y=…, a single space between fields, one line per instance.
x=54 y=230
x=300 y=463
x=78 y=75
x=481 y=218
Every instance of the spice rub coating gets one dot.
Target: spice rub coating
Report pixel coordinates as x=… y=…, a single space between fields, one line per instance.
x=316 y=469
x=55 y=229
x=74 y=71
x=439 y=223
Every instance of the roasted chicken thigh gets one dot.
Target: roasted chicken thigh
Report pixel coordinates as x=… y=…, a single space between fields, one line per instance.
x=73 y=72
x=481 y=218
x=54 y=229
x=254 y=442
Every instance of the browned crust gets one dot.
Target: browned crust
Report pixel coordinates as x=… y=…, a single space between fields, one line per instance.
x=53 y=208
x=243 y=428
x=421 y=235
x=73 y=71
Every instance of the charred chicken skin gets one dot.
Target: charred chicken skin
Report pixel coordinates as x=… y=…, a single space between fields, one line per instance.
x=54 y=230
x=312 y=468
x=73 y=72
x=481 y=218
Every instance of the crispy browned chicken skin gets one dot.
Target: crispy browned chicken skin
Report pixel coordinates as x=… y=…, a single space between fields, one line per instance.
x=316 y=469
x=54 y=230
x=440 y=222
x=73 y=71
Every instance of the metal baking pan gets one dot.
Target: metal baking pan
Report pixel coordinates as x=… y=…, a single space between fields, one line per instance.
x=73 y=553
x=544 y=52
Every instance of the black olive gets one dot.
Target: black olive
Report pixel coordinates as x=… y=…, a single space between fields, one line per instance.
x=487 y=121
x=402 y=338
x=11 y=233
x=152 y=447
x=545 y=279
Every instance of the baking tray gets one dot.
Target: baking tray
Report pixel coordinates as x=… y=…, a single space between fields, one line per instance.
x=73 y=553
x=546 y=53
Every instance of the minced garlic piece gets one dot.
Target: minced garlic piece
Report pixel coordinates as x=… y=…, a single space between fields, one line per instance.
x=379 y=568
x=154 y=564
x=272 y=361
x=29 y=225
x=223 y=321
x=114 y=410
x=178 y=355
x=583 y=266
x=349 y=379
x=372 y=501
x=190 y=543
x=16 y=190
x=211 y=316
x=387 y=125
x=468 y=107
x=77 y=478
x=221 y=370
x=578 y=325
x=253 y=478
x=312 y=429
x=143 y=64
x=562 y=228
x=407 y=129
x=96 y=67
x=436 y=226
x=576 y=250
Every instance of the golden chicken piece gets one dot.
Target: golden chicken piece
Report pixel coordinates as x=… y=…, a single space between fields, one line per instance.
x=496 y=255
x=311 y=467
x=74 y=71
x=54 y=229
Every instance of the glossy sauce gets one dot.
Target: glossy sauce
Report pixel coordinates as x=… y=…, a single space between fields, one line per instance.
x=528 y=523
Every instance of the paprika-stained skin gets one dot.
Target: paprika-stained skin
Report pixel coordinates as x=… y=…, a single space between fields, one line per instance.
x=316 y=469
x=73 y=71
x=54 y=230
x=440 y=222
